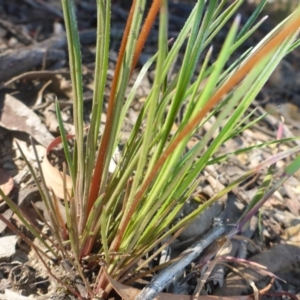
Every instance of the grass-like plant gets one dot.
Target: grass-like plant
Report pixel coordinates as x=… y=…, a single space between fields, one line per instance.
x=117 y=218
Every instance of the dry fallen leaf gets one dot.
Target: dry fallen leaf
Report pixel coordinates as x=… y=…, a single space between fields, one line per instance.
x=17 y=116
x=54 y=177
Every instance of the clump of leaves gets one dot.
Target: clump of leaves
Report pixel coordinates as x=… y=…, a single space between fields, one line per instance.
x=123 y=215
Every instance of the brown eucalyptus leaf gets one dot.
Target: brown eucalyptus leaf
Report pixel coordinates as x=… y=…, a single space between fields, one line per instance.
x=54 y=177
x=6 y=182
x=18 y=117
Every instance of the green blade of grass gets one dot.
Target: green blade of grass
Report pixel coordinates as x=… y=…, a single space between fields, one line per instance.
x=76 y=77
x=65 y=144
x=100 y=78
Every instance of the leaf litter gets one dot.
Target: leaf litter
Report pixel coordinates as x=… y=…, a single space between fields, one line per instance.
x=276 y=230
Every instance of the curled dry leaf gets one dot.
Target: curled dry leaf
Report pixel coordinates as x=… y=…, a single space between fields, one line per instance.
x=129 y=293
x=54 y=177
x=17 y=116
x=6 y=182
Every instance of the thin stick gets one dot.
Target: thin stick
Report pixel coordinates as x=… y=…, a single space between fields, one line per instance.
x=166 y=276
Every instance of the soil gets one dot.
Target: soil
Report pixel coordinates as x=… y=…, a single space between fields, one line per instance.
x=34 y=71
